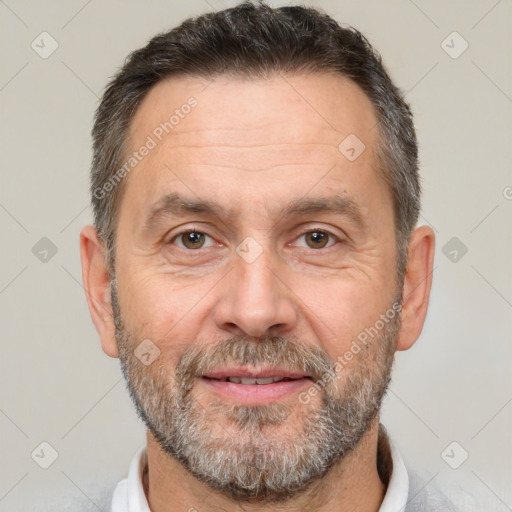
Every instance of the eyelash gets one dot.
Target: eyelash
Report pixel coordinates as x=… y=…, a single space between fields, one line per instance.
x=181 y=233
x=312 y=230
x=332 y=238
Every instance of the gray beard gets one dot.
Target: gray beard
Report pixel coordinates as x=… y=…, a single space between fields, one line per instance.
x=252 y=458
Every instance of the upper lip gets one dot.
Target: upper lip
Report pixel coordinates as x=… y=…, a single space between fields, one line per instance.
x=260 y=373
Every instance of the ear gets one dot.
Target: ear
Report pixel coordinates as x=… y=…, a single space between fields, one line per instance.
x=97 y=288
x=417 y=284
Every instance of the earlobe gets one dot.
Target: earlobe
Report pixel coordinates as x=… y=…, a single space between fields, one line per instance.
x=417 y=285
x=96 y=282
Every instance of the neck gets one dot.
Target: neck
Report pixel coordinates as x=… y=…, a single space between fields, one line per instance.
x=352 y=484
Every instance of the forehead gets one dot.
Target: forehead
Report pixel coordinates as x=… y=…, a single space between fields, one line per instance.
x=247 y=135
x=281 y=109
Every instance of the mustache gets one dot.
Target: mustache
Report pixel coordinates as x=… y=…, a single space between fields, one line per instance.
x=199 y=359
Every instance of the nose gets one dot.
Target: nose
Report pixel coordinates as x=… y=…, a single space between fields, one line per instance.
x=255 y=301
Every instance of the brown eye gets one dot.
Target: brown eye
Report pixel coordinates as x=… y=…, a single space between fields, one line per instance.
x=317 y=239
x=192 y=239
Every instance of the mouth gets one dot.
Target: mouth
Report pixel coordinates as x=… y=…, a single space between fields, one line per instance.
x=250 y=381
x=255 y=387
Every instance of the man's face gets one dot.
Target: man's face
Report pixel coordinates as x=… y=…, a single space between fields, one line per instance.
x=290 y=257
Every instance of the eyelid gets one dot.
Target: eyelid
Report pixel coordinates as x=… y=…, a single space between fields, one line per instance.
x=322 y=230
x=332 y=230
x=190 y=229
x=303 y=231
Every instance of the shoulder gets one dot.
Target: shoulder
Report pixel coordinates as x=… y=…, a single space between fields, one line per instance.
x=435 y=494
x=78 y=501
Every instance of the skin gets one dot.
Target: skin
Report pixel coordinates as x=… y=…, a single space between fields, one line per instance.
x=254 y=147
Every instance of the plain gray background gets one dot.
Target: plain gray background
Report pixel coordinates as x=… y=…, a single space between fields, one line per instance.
x=58 y=387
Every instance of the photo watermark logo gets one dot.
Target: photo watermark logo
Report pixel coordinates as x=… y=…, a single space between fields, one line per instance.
x=152 y=140
x=358 y=344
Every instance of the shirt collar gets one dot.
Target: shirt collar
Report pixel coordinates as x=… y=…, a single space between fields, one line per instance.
x=395 y=473
x=129 y=494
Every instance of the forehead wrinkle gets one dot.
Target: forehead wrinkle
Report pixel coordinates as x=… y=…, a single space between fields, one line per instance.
x=289 y=116
x=263 y=135
x=245 y=146
x=262 y=169
x=270 y=148
x=249 y=158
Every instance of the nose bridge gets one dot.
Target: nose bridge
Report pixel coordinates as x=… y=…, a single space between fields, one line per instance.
x=255 y=299
x=257 y=284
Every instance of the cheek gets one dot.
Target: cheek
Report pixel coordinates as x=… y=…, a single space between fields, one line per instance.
x=166 y=314
x=341 y=309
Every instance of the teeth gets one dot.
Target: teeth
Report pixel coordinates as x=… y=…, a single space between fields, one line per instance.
x=236 y=380
x=248 y=381
x=267 y=380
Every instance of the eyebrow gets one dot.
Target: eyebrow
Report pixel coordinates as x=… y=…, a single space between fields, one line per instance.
x=177 y=205
x=332 y=204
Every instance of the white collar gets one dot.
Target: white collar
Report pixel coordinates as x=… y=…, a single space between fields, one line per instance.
x=397 y=492
x=129 y=493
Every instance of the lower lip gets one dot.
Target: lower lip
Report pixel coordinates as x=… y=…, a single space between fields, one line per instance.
x=257 y=393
